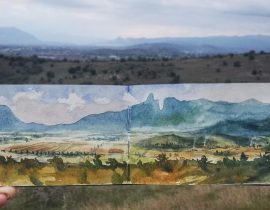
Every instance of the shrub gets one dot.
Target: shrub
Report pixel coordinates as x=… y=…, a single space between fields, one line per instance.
x=176 y=79
x=203 y=162
x=117 y=178
x=93 y=72
x=225 y=63
x=237 y=64
x=97 y=161
x=50 y=74
x=254 y=72
x=58 y=163
x=82 y=179
x=243 y=157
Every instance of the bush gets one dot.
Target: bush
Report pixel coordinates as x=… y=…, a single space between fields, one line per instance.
x=58 y=163
x=35 y=180
x=163 y=161
x=117 y=178
x=176 y=79
x=74 y=70
x=254 y=72
x=83 y=177
x=30 y=163
x=50 y=75
x=203 y=162
x=237 y=64
x=243 y=157
x=97 y=161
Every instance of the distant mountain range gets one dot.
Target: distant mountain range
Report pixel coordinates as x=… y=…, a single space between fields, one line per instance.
x=148 y=46
x=14 y=36
x=201 y=116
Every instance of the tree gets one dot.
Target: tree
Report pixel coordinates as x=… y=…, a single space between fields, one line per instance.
x=97 y=161
x=163 y=161
x=2 y=160
x=83 y=177
x=50 y=74
x=58 y=163
x=243 y=157
x=30 y=163
x=237 y=64
x=117 y=178
x=203 y=162
x=113 y=163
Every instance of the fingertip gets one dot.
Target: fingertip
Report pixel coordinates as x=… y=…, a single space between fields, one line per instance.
x=3 y=199
x=10 y=192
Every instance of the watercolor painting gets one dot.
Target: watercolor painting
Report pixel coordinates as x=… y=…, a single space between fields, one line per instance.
x=200 y=134
x=143 y=134
x=63 y=135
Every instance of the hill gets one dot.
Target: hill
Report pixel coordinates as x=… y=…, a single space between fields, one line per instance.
x=14 y=36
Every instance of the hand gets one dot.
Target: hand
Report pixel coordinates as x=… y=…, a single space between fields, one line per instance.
x=6 y=193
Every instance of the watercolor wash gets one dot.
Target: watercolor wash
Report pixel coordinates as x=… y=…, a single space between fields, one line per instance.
x=146 y=134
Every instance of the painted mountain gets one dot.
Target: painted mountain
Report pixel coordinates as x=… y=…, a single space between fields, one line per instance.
x=9 y=122
x=199 y=114
x=109 y=121
x=247 y=118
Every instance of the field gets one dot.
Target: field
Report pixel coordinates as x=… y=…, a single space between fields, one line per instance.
x=181 y=160
x=61 y=159
x=249 y=67
x=163 y=159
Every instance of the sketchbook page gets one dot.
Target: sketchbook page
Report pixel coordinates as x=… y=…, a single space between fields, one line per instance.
x=200 y=134
x=63 y=135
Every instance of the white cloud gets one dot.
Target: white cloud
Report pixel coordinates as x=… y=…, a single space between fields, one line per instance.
x=102 y=101
x=131 y=100
x=73 y=101
x=3 y=100
x=97 y=19
x=30 y=95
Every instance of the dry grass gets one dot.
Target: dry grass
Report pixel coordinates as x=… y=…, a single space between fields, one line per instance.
x=144 y=197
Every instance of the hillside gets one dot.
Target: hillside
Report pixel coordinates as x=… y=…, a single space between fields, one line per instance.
x=248 y=67
x=14 y=36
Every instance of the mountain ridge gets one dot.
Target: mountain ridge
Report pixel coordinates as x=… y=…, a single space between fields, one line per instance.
x=194 y=114
x=164 y=46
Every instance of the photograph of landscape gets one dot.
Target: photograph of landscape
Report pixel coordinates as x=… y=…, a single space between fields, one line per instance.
x=139 y=134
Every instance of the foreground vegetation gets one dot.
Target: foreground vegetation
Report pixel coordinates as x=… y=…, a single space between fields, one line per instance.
x=143 y=197
x=162 y=171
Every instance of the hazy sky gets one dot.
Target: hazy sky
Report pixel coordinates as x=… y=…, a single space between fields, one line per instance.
x=84 y=21
x=54 y=104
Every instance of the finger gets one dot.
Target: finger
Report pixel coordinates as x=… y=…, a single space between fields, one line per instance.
x=3 y=199
x=10 y=192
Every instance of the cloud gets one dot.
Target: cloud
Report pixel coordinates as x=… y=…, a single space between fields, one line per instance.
x=131 y=100
x=3 y=100
x=31 y=95
x=59 y=104
x=102 y=101
x=73 y=101
x=101 y=19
